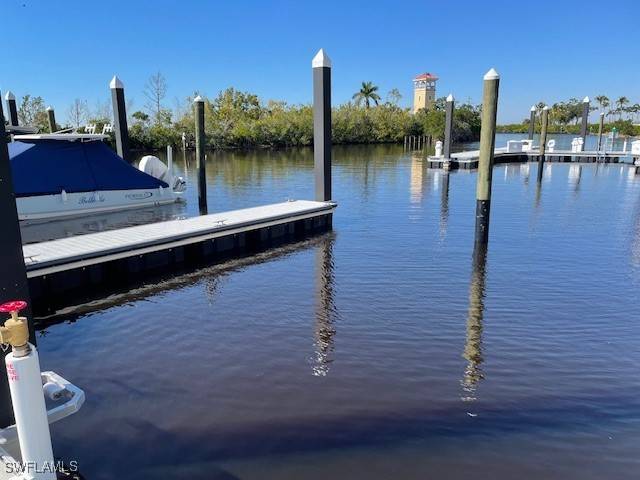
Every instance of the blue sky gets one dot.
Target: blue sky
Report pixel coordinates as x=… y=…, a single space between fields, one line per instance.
x=544 y=50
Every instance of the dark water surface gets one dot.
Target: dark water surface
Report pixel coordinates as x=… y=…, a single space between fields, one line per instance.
x=380 y=350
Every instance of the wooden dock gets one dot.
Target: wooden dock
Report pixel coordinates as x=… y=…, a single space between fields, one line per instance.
x=74 y=266
x=468 y=160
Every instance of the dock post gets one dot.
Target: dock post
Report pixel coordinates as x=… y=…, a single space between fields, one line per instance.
x=405 y=143
x=120 y=118
x=321 y=66
x=51 y=117
x=585 y=122
x=532 y=122
x=170 y=159
x=198 y=104
x=543 y=141
x=600 y=129
x=448 y=126
x=12 y=108
x=485 y=161
x=13 y=281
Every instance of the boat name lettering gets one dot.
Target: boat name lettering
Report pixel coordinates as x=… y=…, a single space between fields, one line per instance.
x=138 y=196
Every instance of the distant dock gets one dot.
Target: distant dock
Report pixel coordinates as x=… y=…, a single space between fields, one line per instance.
x=469 y=160
x=63 y=269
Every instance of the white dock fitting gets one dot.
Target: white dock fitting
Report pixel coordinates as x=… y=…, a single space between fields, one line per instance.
x=83 y=250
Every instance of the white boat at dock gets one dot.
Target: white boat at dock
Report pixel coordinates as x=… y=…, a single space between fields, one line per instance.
x=71 y=174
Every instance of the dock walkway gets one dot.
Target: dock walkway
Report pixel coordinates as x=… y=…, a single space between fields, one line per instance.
x=468 y=160
x=68 y=264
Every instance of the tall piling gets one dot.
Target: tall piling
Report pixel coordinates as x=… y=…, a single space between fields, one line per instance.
x=485 y=161
x=448 y=126
x=321 y=66
x=198 y=105
x=120 y=119
x=13 y=281
x=585 y=121
x=543 y=141
x=51 y=118
x=600 y=130
x=532 y=122
x=12 y=108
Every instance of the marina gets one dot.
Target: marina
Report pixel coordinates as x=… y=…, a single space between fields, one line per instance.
x=231 y=254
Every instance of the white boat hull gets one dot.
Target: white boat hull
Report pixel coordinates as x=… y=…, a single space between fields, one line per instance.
x=43 y=207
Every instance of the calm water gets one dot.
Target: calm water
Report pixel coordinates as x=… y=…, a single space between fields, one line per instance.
x=380 y=350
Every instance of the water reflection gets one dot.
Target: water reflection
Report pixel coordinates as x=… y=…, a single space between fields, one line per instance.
x=473 y=373
x=49 y=230
x=444 y=204
x=525 y=170
x=326 y=312
x=415 y=188
x=575 y=172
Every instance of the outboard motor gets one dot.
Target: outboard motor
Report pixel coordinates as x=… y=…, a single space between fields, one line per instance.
x=153 y=166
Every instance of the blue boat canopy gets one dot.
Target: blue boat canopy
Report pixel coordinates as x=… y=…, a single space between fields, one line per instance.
x=46 y=167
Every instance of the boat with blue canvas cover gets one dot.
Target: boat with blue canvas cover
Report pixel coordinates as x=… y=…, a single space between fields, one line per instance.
x=68 y=174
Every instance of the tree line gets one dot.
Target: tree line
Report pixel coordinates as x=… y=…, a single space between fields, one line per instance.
x=566 y=116
x=237 y=119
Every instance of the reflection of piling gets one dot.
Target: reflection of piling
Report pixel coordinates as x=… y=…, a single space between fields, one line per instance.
x=473 y=344
x=321 y=66
x=198 y=104
x=600 y=129
x=448 y=126
x=444 y=203
x=585 y=121
x=51 y=119
x=532 y=122
x=543 y=141
x=120 y=118
x=13 y=281
x=12 y=107
x=325 y=307
x=485 y=161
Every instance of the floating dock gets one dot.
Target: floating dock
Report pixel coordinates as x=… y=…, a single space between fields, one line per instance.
x=72 y=267
x=469 y=160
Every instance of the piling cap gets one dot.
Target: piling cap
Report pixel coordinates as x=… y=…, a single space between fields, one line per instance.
x=546 y=107
x=533 y=108
x=198 y=99
x=321 y=59
x=49 y=108
x=450 y=97
x=585 y=100
x=116 y=83
x=491 y=75
x=9 y=95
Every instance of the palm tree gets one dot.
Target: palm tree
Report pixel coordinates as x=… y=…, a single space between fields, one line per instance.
x=366 y=94
x=622 y=102
x=635 y=110
x=603 y=101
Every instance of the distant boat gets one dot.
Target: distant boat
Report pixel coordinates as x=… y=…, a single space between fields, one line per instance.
x=67 y=174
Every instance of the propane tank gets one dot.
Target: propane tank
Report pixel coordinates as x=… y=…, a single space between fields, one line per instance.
x=25 y=384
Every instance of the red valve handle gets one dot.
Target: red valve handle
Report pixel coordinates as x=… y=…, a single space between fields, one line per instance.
x=13 y=306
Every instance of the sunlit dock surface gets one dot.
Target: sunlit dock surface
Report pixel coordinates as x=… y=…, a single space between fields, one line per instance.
x=76 y=263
